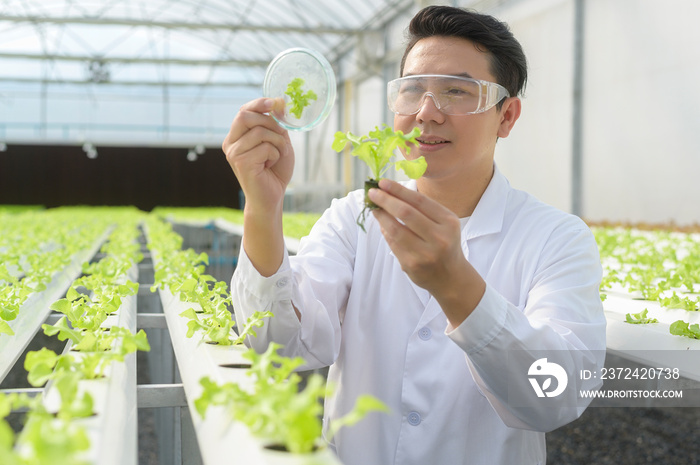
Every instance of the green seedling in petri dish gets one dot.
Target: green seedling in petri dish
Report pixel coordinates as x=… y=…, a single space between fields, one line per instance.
x=300 y=99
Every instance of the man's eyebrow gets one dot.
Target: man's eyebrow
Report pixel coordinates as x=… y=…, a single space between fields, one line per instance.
x=466 y=75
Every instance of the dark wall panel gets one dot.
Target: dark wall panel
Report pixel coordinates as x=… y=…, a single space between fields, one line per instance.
x=141 y=176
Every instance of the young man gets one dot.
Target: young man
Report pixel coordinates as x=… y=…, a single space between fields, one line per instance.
x=459 y=283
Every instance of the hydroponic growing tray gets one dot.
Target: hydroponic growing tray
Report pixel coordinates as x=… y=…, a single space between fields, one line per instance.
x=209 y=440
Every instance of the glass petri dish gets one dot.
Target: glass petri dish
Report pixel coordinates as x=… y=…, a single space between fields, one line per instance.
x=316 y=75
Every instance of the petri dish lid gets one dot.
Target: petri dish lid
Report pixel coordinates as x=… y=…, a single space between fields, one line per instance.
x=317 y=76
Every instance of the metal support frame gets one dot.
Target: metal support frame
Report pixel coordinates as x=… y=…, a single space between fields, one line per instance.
x=187 y=25
x=577 y=117
x=161 y=395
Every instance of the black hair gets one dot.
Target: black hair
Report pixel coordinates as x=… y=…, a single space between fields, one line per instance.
x=508 y=62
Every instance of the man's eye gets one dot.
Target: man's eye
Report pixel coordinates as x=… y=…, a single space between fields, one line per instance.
x=412 y=90
x=456 y=92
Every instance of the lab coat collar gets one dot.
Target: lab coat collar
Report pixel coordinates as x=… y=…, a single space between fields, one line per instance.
x=486 y=219
x=489 y=212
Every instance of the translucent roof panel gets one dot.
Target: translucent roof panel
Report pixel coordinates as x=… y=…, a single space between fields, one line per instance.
x=202 y=34
x=193 y=50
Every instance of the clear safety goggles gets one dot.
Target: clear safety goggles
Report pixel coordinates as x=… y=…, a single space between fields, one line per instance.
x=452 y=95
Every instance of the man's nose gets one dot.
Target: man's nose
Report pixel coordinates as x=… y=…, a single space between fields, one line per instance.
x=429 y=109
x=425 y=100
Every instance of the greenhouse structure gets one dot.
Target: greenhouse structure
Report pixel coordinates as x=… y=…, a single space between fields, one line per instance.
x=121 y=219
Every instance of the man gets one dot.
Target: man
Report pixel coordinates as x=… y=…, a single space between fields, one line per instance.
x=459 y=283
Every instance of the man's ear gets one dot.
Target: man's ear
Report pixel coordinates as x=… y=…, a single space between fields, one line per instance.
x=510 y=112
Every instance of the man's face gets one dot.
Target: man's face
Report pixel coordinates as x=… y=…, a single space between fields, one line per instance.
x=453 y=145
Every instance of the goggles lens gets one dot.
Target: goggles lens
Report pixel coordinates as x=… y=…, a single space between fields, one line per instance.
x=452 y=95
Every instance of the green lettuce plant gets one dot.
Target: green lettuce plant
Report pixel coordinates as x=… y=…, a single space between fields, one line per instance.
x=640 y=318
x=661 y=266
x=298 y=97
x=683 y=328
x=183 y=273
x=45 y=439
x=55 y=437
x=377 y=150
x=34 y=246
x=106 y=285
x=275 y=409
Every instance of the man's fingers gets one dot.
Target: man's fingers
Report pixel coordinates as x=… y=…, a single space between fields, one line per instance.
x=415 y=220
x=277 y=107
x=252 y=114
x=256 y=136
x=264 y=105
x=265 y=154
x=425 y=205
x=392 y=229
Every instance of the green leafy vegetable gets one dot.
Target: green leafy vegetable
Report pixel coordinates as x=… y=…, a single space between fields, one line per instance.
x=364 y=405
x=54 y=437
x=682 y=328
x=255 y=321
x=5 y=328
x=34 y=246
x=63 y=330
x=685 y=303
x=377 y=149
x=46 y=439
x=656 y=265
x=299 y=98
x=73 y=403
x=275 y=408
x=640 y=318
x=182 y=272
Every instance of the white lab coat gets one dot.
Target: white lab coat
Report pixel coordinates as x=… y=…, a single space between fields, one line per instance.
x=450 y=390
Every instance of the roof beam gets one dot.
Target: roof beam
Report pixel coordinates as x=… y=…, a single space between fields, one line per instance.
x=140 y=60
x=376 y=23
x=109 y=21
x=241 y=84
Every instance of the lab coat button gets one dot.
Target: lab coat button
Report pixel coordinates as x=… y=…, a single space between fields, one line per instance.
x=425 y=333
x=414 y=419
x=282 y=282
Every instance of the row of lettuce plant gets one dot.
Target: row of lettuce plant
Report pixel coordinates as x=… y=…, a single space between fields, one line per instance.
x=34 y=246
x=182 y=272
x=99 y=294
x=276 y=409
x=656 y=265
x=294 y=224
x=58 y=437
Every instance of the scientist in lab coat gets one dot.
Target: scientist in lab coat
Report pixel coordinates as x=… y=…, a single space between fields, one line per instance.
x=467 y=306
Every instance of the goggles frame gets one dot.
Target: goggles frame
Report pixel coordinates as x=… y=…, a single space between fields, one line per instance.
x=490 y=94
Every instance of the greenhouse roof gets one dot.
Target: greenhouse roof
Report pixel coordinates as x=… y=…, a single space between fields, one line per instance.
x=173 y=42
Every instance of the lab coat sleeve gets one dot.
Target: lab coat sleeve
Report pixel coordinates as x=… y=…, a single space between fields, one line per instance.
x=562 y=321
x=316 y=281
